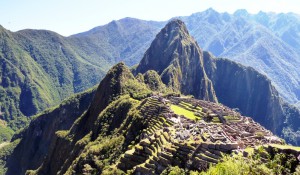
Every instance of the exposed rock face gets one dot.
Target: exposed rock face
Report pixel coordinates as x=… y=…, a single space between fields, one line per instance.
x=177 y=58
x=244 y=88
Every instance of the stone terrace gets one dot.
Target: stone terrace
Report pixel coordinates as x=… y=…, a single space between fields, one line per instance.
x=172 y=139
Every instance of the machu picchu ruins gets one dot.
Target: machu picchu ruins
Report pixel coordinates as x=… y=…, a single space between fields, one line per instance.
x=196 y=141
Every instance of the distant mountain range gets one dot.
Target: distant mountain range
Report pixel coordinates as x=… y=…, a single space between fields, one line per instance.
x=268 y=42
x=40 y=68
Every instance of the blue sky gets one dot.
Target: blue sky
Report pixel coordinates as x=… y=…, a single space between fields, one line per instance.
x=68 y=17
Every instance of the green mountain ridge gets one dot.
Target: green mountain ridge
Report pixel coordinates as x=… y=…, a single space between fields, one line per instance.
x=40 y=68
x=37 y=73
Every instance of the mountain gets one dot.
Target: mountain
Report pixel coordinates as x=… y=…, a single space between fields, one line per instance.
x=40 y=68
x=284 y=25
x=175 y=56
x=88 y=116
x=264 y=41
x=231 y=83
x=123 y=40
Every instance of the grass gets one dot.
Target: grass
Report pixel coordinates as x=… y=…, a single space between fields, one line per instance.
x=181 y=111
x=232 y=118
x=286 y=147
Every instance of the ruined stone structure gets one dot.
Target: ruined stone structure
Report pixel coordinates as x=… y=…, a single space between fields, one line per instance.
x=172 y=139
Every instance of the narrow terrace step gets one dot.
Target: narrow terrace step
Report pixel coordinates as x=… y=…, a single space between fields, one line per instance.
x=150 y=166
x=166 y=155
x=208 y=159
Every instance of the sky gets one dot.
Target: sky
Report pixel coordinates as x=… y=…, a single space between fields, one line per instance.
x=68 y=17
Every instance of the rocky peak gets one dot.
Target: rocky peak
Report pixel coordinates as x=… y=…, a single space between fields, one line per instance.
x=177 y=58
x=172 y=37
x=176 y=29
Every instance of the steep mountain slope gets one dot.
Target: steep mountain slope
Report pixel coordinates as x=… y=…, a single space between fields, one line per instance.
x=251 y=92
x=48 y=140
x=284 y=25
x=176 y=57
x=262 y=41
x=30 y=152
x=123 y=40
x=40 y=68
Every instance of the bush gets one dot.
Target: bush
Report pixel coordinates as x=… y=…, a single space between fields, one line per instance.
x=173 y=171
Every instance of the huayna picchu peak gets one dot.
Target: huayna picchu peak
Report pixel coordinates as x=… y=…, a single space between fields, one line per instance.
x=177 y=58
x=173 y=113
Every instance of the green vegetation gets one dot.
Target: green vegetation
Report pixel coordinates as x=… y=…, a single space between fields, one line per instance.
x=38 y=70
x=5 y=133
x=5 y=151
x=231 y=118
x=181 y=111
x=286 y=147
x=153 y=81
x=136 y=90
x=173 y=171
x=258 y=162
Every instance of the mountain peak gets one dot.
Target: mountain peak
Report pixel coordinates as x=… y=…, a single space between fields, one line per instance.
x=175 y=30
x=177 y=25
x=178 y=59
x=210 y=10
x=118 y=81
x=167 y=43
x=241 y=13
